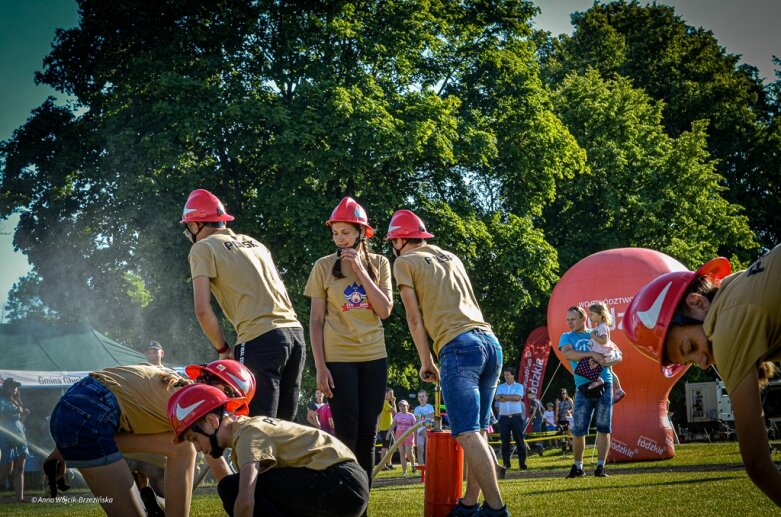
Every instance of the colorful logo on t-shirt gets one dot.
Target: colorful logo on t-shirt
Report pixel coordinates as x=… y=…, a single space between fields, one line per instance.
x=356 y=298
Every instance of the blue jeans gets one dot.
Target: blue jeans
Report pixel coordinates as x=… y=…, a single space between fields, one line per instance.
x=600 y=408
x=469 y=370
x=83 y=425
x=276 y=359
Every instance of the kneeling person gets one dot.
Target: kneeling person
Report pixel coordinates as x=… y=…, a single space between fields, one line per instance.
x=276 y=459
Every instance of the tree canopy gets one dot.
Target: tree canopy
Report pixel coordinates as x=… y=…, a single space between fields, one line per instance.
x=521 y=160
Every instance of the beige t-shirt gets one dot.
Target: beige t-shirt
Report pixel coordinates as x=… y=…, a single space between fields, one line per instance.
x=245 y=282
x=279 y=443
x=352 y=331
x=142 y=392
x=744 y=320
x=444 y=292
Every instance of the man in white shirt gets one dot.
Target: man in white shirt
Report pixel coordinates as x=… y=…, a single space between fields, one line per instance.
x=511 y=417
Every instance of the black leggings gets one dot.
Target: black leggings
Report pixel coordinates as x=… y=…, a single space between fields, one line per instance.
x=340 y=491
x=359 y=392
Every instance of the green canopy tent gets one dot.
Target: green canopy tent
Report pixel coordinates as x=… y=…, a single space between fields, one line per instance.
x=56 y=355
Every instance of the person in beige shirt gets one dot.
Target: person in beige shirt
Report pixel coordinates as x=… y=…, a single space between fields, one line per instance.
x=731 y=322
x=241 y=274
x=351 y=295
x=440 y=303
x=283 y=468
x=127 y=406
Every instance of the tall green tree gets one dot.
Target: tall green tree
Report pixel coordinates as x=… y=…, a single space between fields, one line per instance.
x=697 y=79
x=644 y=188
x=281 y=108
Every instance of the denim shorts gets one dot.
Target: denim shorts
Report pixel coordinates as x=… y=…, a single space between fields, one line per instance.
x=600 y=408
x=83 y=425
x=469 y=370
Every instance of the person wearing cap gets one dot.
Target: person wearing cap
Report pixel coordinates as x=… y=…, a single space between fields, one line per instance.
x=13 y=441
x=154 y=353
x=283 y=468
x=709 y=317
x=241 y=274
x=440 y=302
x=350 y=293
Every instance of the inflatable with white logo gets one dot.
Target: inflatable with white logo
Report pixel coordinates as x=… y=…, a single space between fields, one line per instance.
x=641 y=429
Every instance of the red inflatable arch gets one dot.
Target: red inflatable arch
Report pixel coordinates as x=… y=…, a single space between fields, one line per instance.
x=641 y=429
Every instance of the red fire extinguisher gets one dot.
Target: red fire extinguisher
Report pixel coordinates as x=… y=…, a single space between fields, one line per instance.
x=444 y=467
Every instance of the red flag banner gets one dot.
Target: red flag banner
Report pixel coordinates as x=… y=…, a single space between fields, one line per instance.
x=531 y=371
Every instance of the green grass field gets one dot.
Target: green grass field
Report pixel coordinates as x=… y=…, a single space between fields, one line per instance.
x=702 y=480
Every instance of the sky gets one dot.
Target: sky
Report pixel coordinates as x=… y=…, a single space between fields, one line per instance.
x=748 y=28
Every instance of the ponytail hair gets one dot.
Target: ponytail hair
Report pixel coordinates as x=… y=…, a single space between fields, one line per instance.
x=362 y=245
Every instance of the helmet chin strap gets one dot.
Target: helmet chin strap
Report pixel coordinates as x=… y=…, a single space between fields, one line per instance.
x=192 y=236
x=397 y=252
x=216 y=451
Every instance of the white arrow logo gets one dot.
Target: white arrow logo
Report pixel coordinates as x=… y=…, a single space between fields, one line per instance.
x=242 y=384
x=392 y=228
x=182 y=412
x=650 y=317
x=189 y=210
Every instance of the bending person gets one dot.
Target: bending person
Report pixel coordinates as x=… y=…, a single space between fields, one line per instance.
x=284 y=468
x=732 y=322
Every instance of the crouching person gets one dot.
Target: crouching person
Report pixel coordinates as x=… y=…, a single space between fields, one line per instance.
x=284 y=468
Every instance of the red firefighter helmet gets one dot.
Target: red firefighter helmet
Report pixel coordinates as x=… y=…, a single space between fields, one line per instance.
x=230 y=372
x=191 y=403
x=647 y=319
x=349 y=211
x=406 y=225
x=204 y=207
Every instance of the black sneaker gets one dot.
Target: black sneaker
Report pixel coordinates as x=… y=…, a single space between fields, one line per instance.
x=501 y=472
x=600 y=472
x=487 y=511
x=149 y=498
x=523 y=466
x=462 y=510
x=575 y=472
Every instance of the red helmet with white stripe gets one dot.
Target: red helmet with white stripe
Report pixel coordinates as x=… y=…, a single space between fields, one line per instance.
x=204 y=207
x=229 y=372
x=647 y=319
x=406 y=225
x=349 y=211
x=193 y=402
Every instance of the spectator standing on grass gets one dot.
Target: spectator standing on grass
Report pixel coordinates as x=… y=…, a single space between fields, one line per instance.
x=512 y=418
x=326 y=419
x=383 y=424
x=550 y=417
x=589 y=403
x=423 y=413
x=440 y=302
x=536 y=415
x=314 y=405
x=240 y=273
x=13 y=440
x=403 y=421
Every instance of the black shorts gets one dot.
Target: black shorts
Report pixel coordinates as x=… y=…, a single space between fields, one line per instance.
x=382 y=441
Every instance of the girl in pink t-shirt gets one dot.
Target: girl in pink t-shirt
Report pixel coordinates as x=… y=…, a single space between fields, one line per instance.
x=401 y=422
